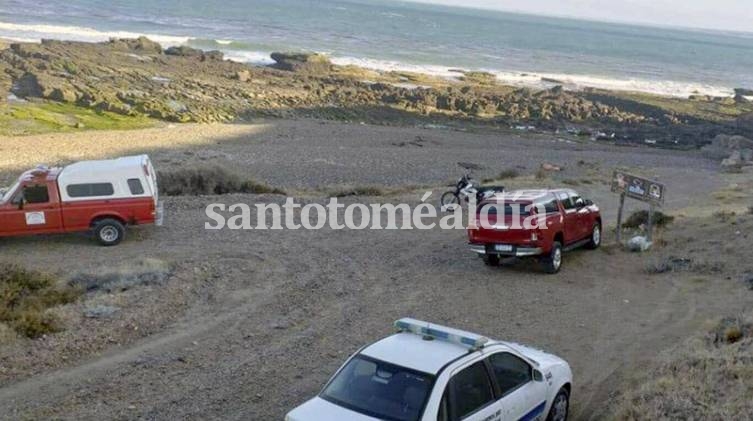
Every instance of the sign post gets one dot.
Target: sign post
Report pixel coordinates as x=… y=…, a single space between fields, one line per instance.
x=619 y=218
x=638 y=188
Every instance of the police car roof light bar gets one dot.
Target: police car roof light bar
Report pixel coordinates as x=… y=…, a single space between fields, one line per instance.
x=442 y=333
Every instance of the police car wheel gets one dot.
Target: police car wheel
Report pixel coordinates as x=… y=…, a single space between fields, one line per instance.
x=109 y=232
x=560 y=407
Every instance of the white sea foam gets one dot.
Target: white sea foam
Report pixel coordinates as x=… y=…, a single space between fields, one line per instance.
x=35 y=32
x=260 y=58
x=546 y=80
x=78 y=33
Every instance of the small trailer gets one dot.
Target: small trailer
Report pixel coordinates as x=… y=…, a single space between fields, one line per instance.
x=103 y=197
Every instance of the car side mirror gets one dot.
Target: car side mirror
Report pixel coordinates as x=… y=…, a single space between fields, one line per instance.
x=537 y=376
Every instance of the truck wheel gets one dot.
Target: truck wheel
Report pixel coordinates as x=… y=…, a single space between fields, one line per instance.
x=109 y=232
x=491 y=259
x=560 y=406
x=595 y=237
x=553 y=262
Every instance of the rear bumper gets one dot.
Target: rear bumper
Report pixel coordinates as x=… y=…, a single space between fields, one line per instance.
x=159 y=214
x=517 y=251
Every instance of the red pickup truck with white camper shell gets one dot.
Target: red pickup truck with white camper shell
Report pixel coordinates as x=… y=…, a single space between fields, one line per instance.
x=99 y=196
x=563 y=221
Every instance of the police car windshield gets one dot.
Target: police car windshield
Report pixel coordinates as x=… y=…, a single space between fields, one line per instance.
x=380 y=390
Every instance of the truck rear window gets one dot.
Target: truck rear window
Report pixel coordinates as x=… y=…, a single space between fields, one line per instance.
x=90 y=190
x=135 y=186
x=522 y=209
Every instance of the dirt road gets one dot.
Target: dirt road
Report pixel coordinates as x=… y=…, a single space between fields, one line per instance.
x=252 y=323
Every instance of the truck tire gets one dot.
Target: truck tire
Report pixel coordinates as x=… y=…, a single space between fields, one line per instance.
x=491 y=259
x=595 y=241
x=560 y=406
x=109 y=232
x=553 y=262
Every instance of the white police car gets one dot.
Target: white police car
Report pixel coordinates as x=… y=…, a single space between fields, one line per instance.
x=432 y=372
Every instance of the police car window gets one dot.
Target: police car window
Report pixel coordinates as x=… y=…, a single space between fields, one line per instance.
x=36 y=194
x=90 y=190
x=134 y=184
x=380 y=390
x=510 y=371
x=471 y=390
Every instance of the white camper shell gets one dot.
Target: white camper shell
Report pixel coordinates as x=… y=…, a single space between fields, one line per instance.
x=126 y=177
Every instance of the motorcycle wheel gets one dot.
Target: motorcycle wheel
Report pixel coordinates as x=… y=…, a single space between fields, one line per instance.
x=449 y=199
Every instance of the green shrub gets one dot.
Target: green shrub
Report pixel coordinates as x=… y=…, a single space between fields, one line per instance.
x=640 y=218
x=25 y=297
x=207 y=180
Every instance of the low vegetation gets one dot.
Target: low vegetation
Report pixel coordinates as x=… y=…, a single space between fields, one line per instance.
x=640 y=219
x=34 y=118
x=356 y=191
x=709 y=377
x=508 y=173
x=142 y=272
x=25 y=298
x=677 y=264
x=724 y=215
x=207 y=180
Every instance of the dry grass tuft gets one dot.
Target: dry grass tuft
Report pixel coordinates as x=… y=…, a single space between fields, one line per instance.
x=356 y=191
x=508 y=173
x=706 y=378
x=208 y=180
x=25 y=298
x=724 y=215
x=141 y=272
x=678 y=264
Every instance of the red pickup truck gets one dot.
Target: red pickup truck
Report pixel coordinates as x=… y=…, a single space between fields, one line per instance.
x=541 y=223
x=99 y=196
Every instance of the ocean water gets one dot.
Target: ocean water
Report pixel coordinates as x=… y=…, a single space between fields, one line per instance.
x=384 y=34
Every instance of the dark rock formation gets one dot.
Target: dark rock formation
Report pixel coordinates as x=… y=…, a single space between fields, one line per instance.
x=301 y=62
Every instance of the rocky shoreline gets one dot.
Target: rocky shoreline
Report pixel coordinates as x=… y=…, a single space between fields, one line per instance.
x=137 y=77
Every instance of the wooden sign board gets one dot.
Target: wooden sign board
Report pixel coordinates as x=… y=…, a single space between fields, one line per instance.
x=638 y=188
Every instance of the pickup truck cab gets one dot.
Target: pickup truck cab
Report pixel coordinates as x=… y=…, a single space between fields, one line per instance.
x=563 y=220
x=429 y=372
x=99 y=196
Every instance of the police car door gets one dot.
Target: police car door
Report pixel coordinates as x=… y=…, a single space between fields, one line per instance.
x=522 y=397
x=469 y=396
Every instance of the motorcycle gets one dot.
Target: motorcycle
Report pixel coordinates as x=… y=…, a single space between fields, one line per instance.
x=468 y=187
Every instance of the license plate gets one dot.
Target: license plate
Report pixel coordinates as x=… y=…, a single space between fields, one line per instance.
x=502 y=247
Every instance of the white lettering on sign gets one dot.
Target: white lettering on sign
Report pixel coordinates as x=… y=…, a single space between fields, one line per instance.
x=35 y=218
